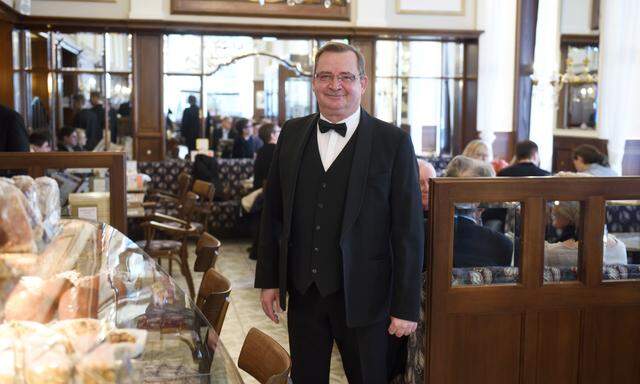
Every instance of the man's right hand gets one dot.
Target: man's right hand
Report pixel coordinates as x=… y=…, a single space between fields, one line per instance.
x=270 y=300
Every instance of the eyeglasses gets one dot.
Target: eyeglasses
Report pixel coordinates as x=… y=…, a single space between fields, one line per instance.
x=343 y=78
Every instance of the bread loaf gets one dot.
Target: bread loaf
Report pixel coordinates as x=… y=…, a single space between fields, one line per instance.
x=16 y=234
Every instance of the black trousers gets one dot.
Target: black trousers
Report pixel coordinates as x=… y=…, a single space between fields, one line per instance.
x=315 y=322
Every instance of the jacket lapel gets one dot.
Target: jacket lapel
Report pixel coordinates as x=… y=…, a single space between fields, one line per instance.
x=295 y=168
x=359 y=172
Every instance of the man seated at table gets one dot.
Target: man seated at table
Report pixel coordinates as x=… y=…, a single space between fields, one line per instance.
x=527 y=161
x=39 y=141
x=68 y=140
x=473 y=244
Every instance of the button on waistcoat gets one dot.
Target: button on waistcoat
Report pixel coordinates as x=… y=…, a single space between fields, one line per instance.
x=315 y=255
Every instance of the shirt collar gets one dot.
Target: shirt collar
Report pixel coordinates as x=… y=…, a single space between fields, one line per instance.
x=351 y=121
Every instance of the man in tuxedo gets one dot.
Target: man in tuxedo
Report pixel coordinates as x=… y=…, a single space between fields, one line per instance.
x=527 y=161
x=341 y=229
x=190 y=123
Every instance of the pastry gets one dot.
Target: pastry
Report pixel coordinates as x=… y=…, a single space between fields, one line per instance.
x=16 y=234
x=100 y=366
x=80 y=300
x=83 y=334
x=28 y=187
x=48 y=194
x=29 y=301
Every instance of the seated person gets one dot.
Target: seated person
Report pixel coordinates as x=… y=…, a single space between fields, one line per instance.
x=40 y=142
x=205 y=168
x=225 y=133
x=426 y=172
x=473 y=244
x=68 y=140
x=564 y=253
x=244 y=147
x=588 y=159
x=526 y=162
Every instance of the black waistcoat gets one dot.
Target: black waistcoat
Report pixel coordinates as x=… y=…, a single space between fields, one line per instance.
x=318 y=207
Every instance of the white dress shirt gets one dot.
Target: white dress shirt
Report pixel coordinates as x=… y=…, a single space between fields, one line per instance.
x=330 y=143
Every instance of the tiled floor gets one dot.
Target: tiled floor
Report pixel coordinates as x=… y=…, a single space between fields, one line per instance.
x=244 y=310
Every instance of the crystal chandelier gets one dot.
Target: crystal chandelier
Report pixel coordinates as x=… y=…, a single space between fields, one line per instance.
x=326 y=3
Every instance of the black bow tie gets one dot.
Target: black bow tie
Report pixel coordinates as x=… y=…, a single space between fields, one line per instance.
x=325 y=126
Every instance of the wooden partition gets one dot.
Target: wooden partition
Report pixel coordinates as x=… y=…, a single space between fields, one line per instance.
x=37 y=163
x=583 y=331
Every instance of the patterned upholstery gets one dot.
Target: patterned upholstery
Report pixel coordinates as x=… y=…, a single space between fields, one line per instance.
x=160 y=245
x=414 y=372
x=623 y=218
x=225 y=215
x=439 y=162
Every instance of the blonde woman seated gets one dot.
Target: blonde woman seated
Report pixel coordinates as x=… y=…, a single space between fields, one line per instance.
x=564 y=253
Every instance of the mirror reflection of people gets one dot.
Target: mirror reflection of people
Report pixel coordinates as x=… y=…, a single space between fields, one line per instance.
x=342 y=234
x=40 y=141
x=68 y=140
x=588 y=159
x=190 y=123
x=86 y=119
x=244 y=147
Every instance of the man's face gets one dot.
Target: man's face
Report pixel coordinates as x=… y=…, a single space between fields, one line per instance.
x=338 y=85
x=72 y=139
x=226 y=124
x=45 y=147
x=426 y=173
x=95 y=100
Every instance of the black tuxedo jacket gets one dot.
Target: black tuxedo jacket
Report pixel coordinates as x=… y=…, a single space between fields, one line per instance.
x=382 y=236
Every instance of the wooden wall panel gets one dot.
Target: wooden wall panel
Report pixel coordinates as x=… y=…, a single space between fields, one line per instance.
x=483 y=348
x=148 y=114
x=558 y=346
x=368 y=49
x=563 y=147
x=6 y=65
x=612 y=353
x=503 y=146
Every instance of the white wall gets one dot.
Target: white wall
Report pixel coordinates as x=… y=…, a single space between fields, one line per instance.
x=8 y=2
x=575 y=18
x=365 y=13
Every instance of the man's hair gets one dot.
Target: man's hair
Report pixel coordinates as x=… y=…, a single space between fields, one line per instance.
x=241 y=124
x=95 y=94
x=66 y=131
x=334 y=46
x=78 y=97
x=265 y=132
x=39 y=138
x=464 y=166
x=526 y=149
x=191 y=99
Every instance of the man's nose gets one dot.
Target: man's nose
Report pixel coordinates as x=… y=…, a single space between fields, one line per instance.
x=335 y=83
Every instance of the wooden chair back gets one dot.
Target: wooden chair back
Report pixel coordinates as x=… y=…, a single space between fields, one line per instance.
x=581 y=331
x=184 y=182
x=213 y=298
x=264 y=359
x=187 y=205
x=207 y=251
x=204 y=190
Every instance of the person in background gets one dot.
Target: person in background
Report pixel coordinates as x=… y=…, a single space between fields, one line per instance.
x=82 y=139
x=479 y=150
x=168 y=122
x=588 y=159
x=68 y=140
x=426 y=172
x=244 y=147
x=191 y=123
x=95 y=99
x=13 y=134
x=86 y=119
x=526 y=163
x=473 y=244
x=224 y=132
x=40 y=141
x=269 y=134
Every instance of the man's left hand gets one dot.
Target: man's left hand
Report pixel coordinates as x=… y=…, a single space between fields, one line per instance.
x=401 y=327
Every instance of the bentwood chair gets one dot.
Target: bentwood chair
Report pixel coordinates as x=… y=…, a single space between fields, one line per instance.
x=204 y=207
x=213 y=298
x=207 y=251
x=161 y=200
x=264 y=359
x=178 y=229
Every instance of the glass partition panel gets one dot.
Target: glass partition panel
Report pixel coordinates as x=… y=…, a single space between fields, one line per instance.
x=562 y=243
x=486 y=243
x=118 y=50
x=622 y=240
x=82 y=50
x=386 y=58
x=183 y=54
x=420 y=59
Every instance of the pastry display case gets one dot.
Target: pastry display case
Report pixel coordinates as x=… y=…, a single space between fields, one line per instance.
x=82 y=303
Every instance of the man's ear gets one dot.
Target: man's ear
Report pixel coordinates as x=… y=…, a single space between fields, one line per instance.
x=364 y=82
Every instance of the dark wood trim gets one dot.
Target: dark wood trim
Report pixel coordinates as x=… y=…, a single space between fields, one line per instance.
x=8 y=13
x=368 y=49
x=571 y=39
x=6 y=64
x=280 y=10
x=69 y=24
x=527 y=16
x=468 y=119
x=595 y=15
x=36 y=163
x=563 y=147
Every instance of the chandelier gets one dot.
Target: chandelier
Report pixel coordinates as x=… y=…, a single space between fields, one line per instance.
x=571 y=77
x=326 y=3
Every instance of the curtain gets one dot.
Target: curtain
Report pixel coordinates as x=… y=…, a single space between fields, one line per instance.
x=544 y=99
x=619 y=76
x=495 y=67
